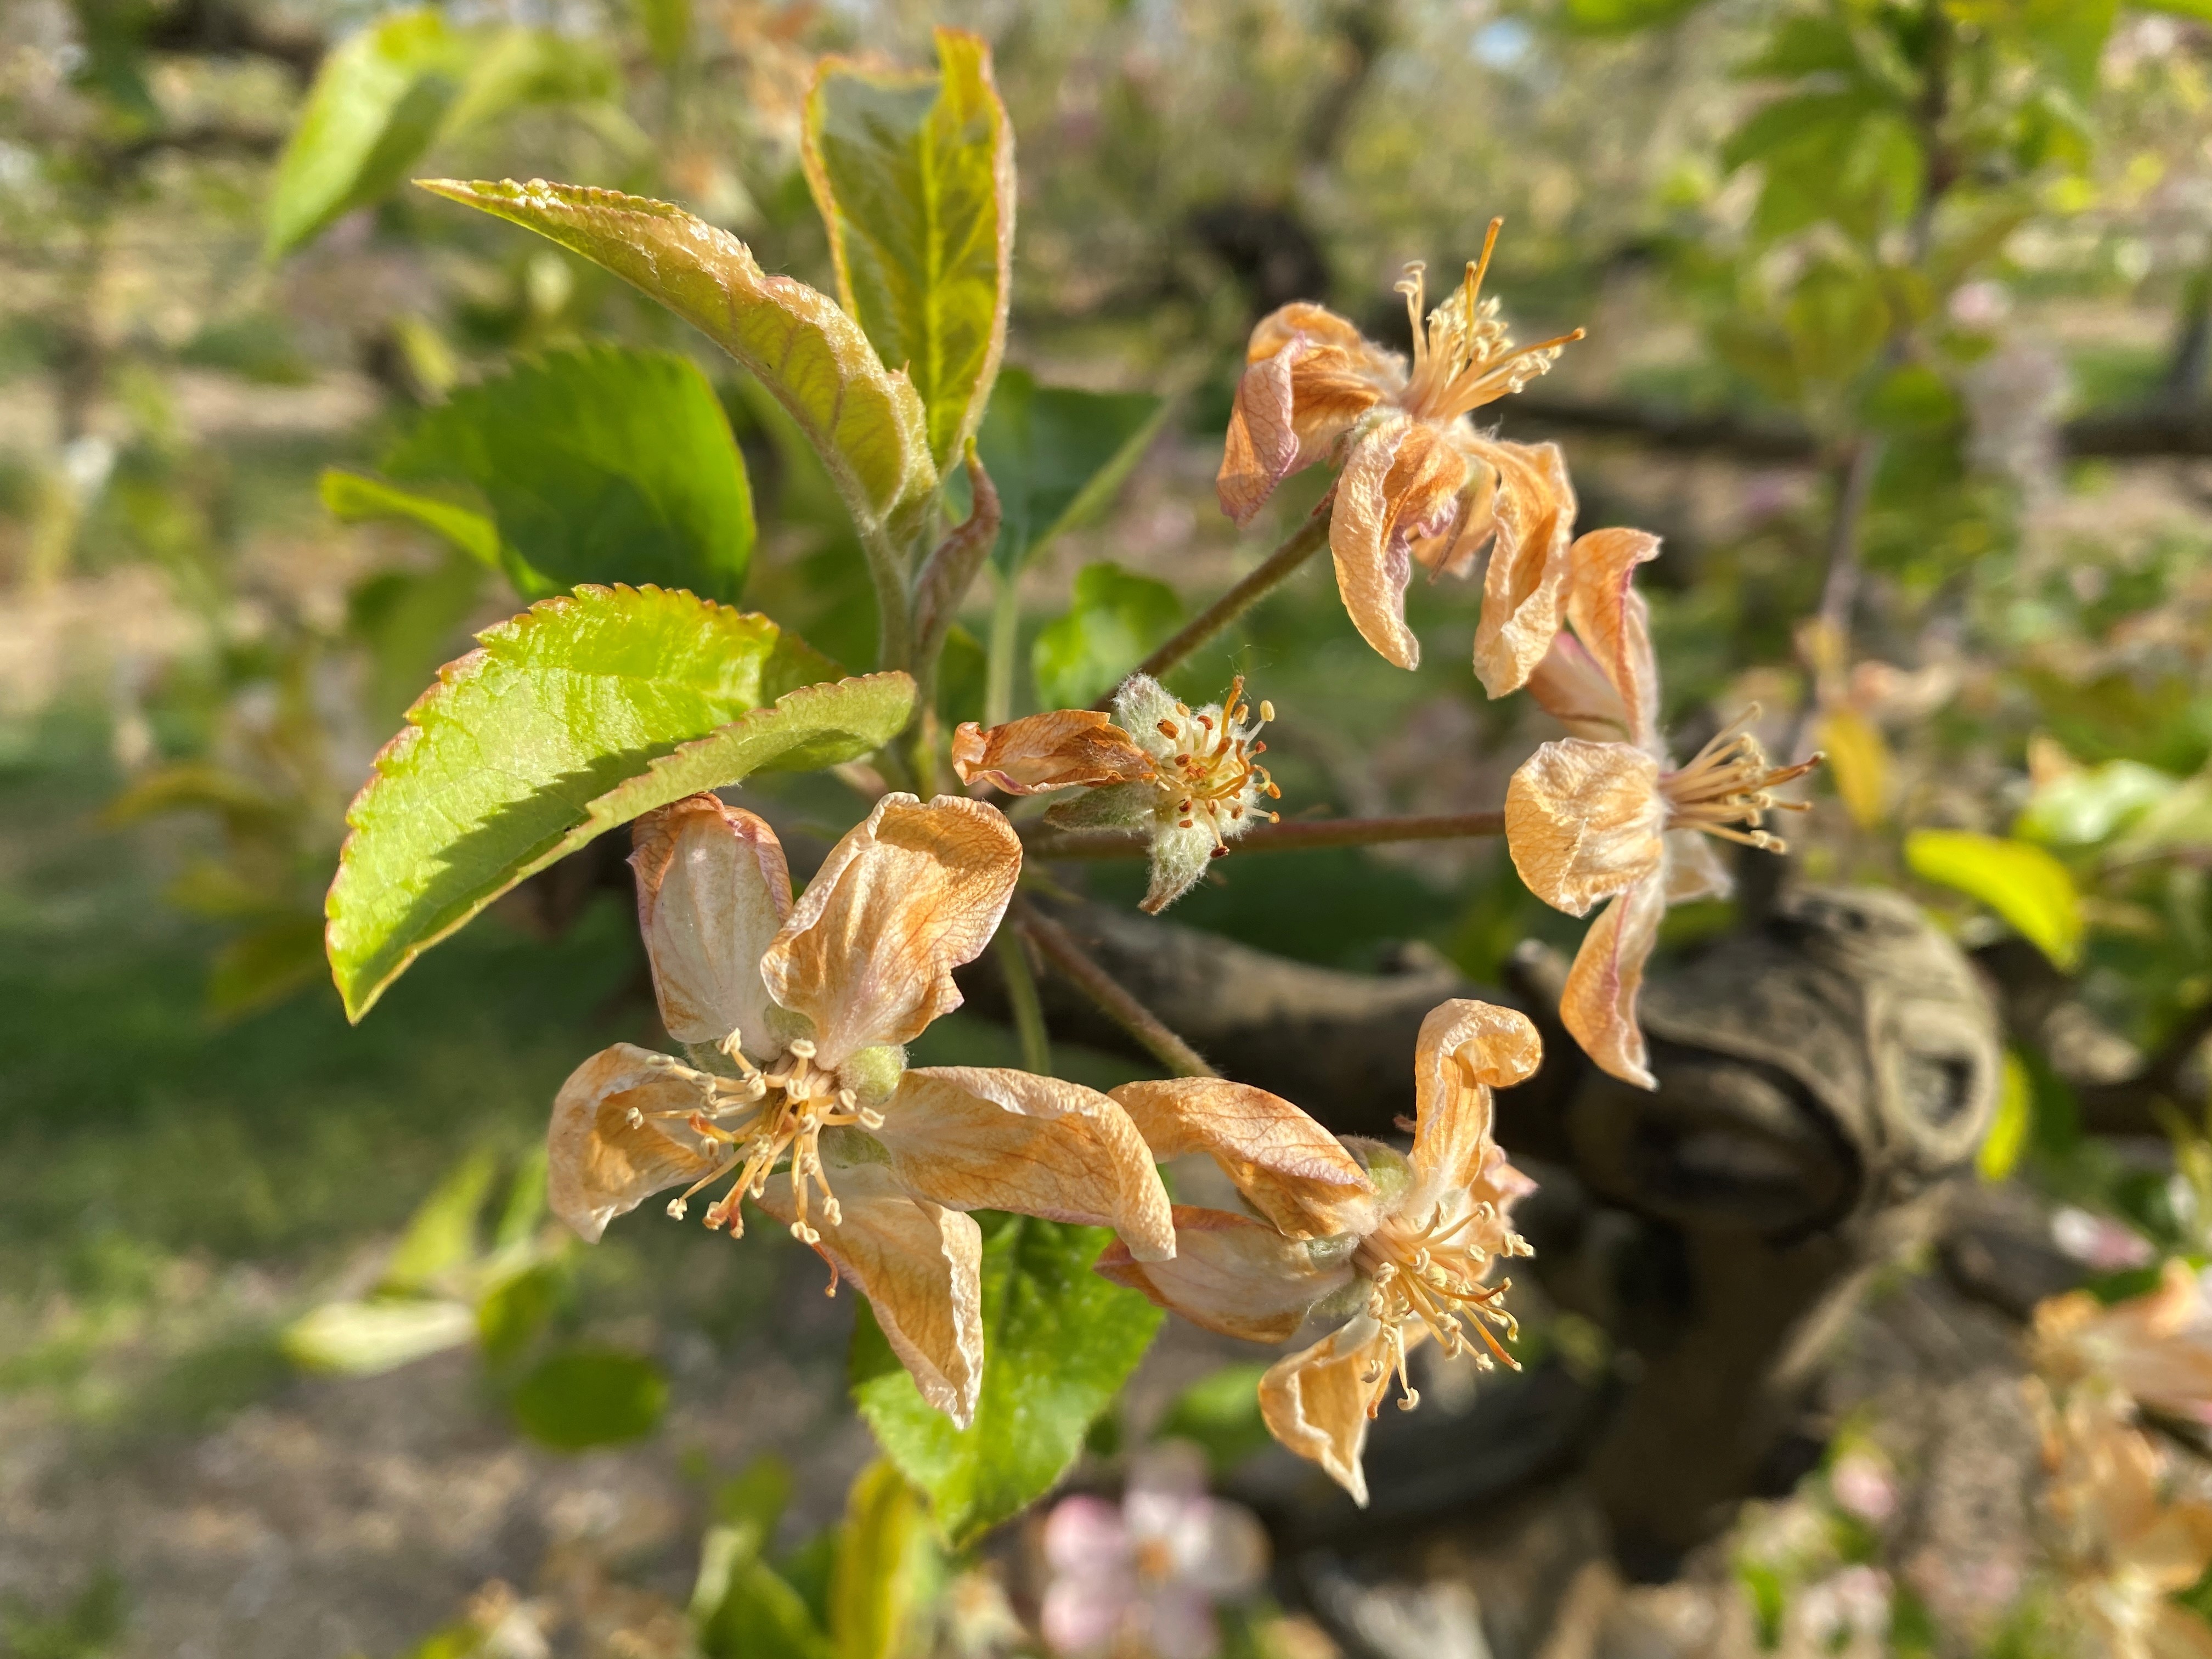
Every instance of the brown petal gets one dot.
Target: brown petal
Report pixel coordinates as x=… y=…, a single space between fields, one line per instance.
x=1609 y=615
x=1400 y=484
x=1231 y=1274
x=1454 y=552
x=1569 y=687
x=1308 y=375
x=1583 y=821
x=600 y=1163
x=1466 y=1048
x=906 y=897
x=1287 y=1166
x=919 y=1264
x=1318 y=1402
x=1598 y=1005
x=1527 y=576
x=978 y=1138
x=712 y=890
x=1052 y=750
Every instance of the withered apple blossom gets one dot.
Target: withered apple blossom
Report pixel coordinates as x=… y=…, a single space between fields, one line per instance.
x=1395 y=1246
x=1419 y=482
x=2154 y=1348
x=1603 y=814
x=802 y=1009
x=1191 y=782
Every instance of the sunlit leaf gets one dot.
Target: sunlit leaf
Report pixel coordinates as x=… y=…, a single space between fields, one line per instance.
x=1058 y=455
x=2088 y=804
x=1059 y=1342
x=1623 y=16
x=872 y=1588
x=590 y=1397
x=2009 y=1128
x=572 y=718
x=1118 y=619
x=602 y=465
x=867 y=423
x=379 y=98
x=353 y=498
x=914 y=172
x=1858 y=759
x=367 y=1339
x=441 y=1235
x=2019 y=880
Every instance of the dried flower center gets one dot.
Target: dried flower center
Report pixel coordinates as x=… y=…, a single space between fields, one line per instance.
x=1433 y=1273
x=1463 y=356
x=1214 y=776
x=781 y=1113
x=1728 y=784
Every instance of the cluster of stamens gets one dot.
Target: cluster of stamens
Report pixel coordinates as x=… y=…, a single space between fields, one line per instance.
x=1463 y=356
x=1214 y=775
x=781 y=1112
x=1433 y=1273
x=1726 y=790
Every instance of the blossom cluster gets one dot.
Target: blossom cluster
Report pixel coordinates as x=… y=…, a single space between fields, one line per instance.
x=795 y=1011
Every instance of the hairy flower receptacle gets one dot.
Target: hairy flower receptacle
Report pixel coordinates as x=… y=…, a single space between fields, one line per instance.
x=1209 y=774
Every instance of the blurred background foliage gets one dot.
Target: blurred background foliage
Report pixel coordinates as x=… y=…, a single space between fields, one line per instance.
x=1900 y=321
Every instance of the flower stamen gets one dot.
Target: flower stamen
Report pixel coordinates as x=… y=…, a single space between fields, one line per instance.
x=1215 y=766
x=1729 y=783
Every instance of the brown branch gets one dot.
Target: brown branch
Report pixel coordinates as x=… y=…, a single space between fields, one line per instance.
x=1273 y=571
x=1300 y=836
x=1068 y=959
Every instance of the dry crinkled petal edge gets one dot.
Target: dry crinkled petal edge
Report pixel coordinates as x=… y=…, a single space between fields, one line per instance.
x=1584 y=821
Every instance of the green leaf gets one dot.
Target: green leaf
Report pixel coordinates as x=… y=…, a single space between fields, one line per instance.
x=568 y=721
x=2202 y=11
x=441 y=1235
x=514 y=67
x=378 y=100
x=865 y=422
x=410 y=622
x=514 y=1311
x=1058 y=456
x=2019 y=880
x=914 y=173
x=871 y=1587
x=1119 y=618
x=352 y=497
x=760 y=1616
x=1623 y=16
x=1220 y=1412
x=590 y=1397
x=1058 y=1344
x=265 y=965
x=367 y=1339
x=602 y=464
x=667 y=25
x=2010 y=1128
x=2090 y=803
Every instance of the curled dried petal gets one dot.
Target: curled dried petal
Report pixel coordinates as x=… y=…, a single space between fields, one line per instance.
x=1317 y=1403
x=1598 y=1005
x=1308 y=376
x=1231 y=1274
x=979 y=1137
x=712 y=891
x=908 y=895
x=1466 y=1048
x=1401 y=484
x=1289 y=1168
x=1529 y=564
x=1055 y=750
x=1612 y=621
x=619 y=1135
